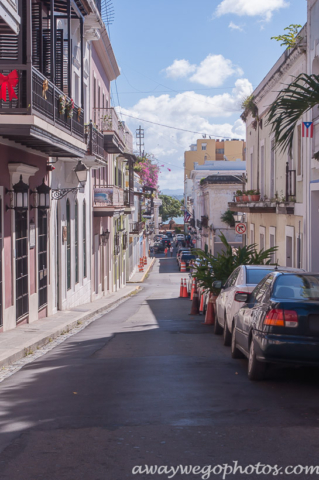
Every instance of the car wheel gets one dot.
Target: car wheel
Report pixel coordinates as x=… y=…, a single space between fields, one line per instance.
x=226 y=335
x=235 y=353
x=217 y=328
x=256 y=369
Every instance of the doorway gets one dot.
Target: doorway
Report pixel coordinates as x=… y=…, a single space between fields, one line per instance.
x=43 y=257
x=288 y=251
x=21 y=244
x=96 y=263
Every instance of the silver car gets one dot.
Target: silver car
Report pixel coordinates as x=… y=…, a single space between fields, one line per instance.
x=243 y=279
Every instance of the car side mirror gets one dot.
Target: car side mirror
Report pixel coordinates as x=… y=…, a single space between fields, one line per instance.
x=242 y=297
x=217 y=284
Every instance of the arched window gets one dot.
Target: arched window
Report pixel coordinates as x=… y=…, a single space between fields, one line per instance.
x=68 y=246
x=76 y=241
x=84 y=240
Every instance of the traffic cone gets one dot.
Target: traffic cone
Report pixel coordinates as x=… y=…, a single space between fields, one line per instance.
x=193 y=288
x=181 y=289
x=185 y=292
x=201 y=305
x=145 y=260
x=195 y=304
x=210 y=313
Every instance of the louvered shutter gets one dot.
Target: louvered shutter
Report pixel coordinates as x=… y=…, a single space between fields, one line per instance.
x=59 y=67
x=47 y=53
x=9 y=48
x=36 y=35
x=65 y=88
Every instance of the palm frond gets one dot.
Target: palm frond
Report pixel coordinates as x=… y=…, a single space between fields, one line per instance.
x=291 y=103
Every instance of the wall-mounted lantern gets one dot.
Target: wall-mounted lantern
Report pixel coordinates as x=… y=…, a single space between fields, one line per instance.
x=19 y=196
x=81 y=172
x=41 y=196
x=104 y=236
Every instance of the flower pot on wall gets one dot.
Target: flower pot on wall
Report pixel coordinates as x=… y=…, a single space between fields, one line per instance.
x=239 y=199
x=255 y=198
x=245 y=198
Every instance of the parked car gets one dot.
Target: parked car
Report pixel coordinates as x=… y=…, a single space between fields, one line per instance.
x=158 y=247
x=186 y=257
x=243 y=280
x=180 y=236
x=180 y=251
x=279 y=323
x=165 y=242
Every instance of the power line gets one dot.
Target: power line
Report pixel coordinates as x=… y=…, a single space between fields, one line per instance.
x=174 y=128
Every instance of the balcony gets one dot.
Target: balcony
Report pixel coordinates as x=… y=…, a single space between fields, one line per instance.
x=264 y=206
x=108 y=200
x=136 y=228
x=107 y=121
x=204 y=221
x=94 y=140
x=39 y=99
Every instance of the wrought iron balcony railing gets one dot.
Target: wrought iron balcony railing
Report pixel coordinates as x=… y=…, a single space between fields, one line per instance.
x=136 y=227
x=94 y=140
x=107 y=120
x=36 y=95
x=108 y=196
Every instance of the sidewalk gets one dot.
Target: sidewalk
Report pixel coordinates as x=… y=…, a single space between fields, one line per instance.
x=17 y=343
x=139 y=277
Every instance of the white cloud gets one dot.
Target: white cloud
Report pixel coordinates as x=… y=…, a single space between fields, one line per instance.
x=179 y=69
x=233 y=26
x=251 y=8
x=188 y=111
x=211 y=72
x=214 y=70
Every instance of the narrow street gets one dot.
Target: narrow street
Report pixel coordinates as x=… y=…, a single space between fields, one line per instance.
x=147 y=384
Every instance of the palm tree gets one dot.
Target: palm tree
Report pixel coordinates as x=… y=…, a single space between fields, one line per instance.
x=250 y=108
x=291 y=103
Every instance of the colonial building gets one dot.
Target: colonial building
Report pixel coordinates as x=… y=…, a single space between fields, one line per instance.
x=278 y=218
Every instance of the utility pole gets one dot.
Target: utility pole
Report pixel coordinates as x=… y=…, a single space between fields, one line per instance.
x=140 y=139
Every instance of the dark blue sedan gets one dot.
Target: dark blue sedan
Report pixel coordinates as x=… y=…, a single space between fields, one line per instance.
x=279 y=323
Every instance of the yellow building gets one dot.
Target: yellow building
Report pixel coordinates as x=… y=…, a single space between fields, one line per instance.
x=209 y=149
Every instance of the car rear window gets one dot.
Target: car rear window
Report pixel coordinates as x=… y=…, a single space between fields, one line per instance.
x=298 y=287
x=188 y=256
x=254 y=276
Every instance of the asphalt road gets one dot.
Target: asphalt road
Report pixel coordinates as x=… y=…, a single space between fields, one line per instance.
x=147 y=384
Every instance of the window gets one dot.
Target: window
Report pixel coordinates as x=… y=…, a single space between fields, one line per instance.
x=84 y=240
x=103 y=100
x=204 y=146
x=220 y=150
x=299 y=158
x=76 y=89
x=262 y=241
x=251 y=170
x=99 y=97
x=68 y=246
x=76 y=242
x=262 y=171
x=255 y=275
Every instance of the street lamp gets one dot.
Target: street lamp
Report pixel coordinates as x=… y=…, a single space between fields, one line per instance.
x=41 y=196
x=105 y=235
x=81 y=172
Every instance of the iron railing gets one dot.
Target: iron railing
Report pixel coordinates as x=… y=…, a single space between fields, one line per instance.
x=106 y=120
x=36 y=95
x=94 y=140
x=125 y=237
x=136 y=227
x=129 y=198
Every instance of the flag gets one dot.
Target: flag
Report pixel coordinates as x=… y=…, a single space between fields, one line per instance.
x=187 y=216
x=307 y=129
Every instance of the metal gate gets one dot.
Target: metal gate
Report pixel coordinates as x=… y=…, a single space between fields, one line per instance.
x=42 y=257
x=22 y=294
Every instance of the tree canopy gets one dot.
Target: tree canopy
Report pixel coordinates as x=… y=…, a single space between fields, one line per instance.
x=170 y=208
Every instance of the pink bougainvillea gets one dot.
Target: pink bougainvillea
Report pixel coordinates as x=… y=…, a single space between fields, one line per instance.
x=147 y=171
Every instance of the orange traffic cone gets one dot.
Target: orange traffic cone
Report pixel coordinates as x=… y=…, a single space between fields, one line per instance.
x=195 y=304
x=181 y=289
x=210 y=313
x=193 y=288
x=185 y=292
x=201 y=305
x=145 y=260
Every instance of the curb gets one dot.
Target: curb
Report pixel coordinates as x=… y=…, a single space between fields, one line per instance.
x=14 y=357
x=146 y=273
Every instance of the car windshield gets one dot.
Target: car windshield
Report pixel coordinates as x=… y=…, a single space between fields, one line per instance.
x=298 y=287
x=255 y=275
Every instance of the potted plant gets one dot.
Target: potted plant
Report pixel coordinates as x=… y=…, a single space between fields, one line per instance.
x=239 y=195
x=62 y=104
x=70 y=108
x=245 y=197
x=254 y=195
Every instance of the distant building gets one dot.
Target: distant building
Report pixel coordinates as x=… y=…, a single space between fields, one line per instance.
x=210 y=150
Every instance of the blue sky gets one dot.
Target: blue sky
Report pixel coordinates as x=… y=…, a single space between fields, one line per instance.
x=189 y=65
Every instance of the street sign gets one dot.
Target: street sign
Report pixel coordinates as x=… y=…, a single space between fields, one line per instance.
x=194 y=241
x=240 y=228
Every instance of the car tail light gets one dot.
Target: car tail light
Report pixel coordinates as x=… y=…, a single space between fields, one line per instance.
x=281 y=318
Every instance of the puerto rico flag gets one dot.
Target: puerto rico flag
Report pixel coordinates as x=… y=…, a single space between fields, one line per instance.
x=187 y=216
x=307 y=129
